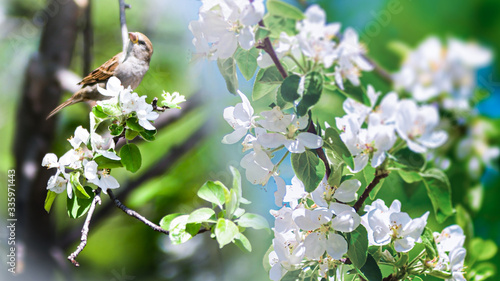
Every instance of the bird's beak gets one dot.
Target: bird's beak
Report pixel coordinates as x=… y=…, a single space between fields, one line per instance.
x=133 y=37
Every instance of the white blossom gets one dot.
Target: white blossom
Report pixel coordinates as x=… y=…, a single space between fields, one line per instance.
x=240 y=118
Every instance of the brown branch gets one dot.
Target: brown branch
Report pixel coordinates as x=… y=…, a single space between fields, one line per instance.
x=123 y=24
x=320 y=151
x=86 y=228
x=135 y=214
x=379 y=175
x=267 y=46
x=88 y=40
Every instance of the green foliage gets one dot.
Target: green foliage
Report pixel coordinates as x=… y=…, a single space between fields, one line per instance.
x=267 y=82
x=371 y=270
x=49 y=200
x=439 y=191
x=289 y=89
x=247 y=61
x=227 y=68
x=106 y=163
x=213 y=192
x=357 y=93
x=358 y=246
x=225 y=231
x=78 y=206
x=429 y=243
x=131 y=157
x=277 y=24
x=285 y=10
x=308 y=168
x=313 y=87
x=410 y=159
x=334 y=143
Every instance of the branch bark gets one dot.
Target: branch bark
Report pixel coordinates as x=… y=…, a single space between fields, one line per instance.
x=379 y=175
x=85 y=228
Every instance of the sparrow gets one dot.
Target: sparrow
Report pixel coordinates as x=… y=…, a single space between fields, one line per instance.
x=129 y=67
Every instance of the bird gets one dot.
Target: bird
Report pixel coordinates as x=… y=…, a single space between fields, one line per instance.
x=130 y=67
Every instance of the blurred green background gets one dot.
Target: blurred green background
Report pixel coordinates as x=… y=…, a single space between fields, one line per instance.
x=120 y=246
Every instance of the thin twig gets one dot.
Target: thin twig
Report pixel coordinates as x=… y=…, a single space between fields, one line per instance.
x=123 y=24
x=320 y=151
x=135 y=214
x=85 y=228
x=379 y=175
x=384 y=74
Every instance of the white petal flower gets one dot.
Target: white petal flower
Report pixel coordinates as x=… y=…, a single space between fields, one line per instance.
x=240 y=118
x=113 y=87
x=346 y=192
x=50 y=161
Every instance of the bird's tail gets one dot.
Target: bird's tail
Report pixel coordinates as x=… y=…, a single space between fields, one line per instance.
x=61 y=106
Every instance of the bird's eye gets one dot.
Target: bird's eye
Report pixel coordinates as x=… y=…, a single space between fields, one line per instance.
x=142 y=42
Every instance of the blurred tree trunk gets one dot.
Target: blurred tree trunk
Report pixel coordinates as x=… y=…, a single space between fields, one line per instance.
x=36 y=252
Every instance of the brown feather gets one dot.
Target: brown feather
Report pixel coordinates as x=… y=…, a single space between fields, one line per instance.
x=102 y=73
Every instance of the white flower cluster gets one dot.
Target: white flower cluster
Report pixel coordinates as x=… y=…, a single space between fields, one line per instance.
x=305 y=233
x=414 y=124
x=451 y=252
x=386 y=225
x=315 y=42
x=433 y=69
x=80 y=159
x=225 y=24
x=127 y=102
x=271 y=131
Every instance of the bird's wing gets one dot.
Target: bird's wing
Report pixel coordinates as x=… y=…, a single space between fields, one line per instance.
x=102 y=73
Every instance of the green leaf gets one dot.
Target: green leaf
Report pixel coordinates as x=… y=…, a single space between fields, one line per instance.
x=282 y=9
x=98 y=112
x=227 y=68
x=49 y=200
x=358 y=246
x=261 y=33
x=131 y=134
x=193 y=228
x=308 y=168
x=278 y=24
x=483 y=271
x=336 y=175
x=439 y=191
x=236 y=181
x=243 y=243
x=371 y=270
x=291 y=275
x=78 y=189
x=225 y=231
x=133 y=124
x=115 y=130
x=356 y=93
x=106 y=163
x=166 y=220
x=247 y=61
x=313 y=87
x=410 y=176
x=482 y=250
x=148 y=135
x=289 y=89
x=201 y=215
x=231 y=203
x=111 y=110
x=178 y=232
x=252 y=220
x=335 y=144
x=266 y=82
x=77 y=207
x=429 y=243
x=213 y=192
x=409 y=158
x=131 y=157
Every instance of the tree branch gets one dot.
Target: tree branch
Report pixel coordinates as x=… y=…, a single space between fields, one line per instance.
x=86 y=228
x=135 y=214
x=379 y=175
x=155 y=170
x=384 y=74
x=123 y=24
x=267 y=46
